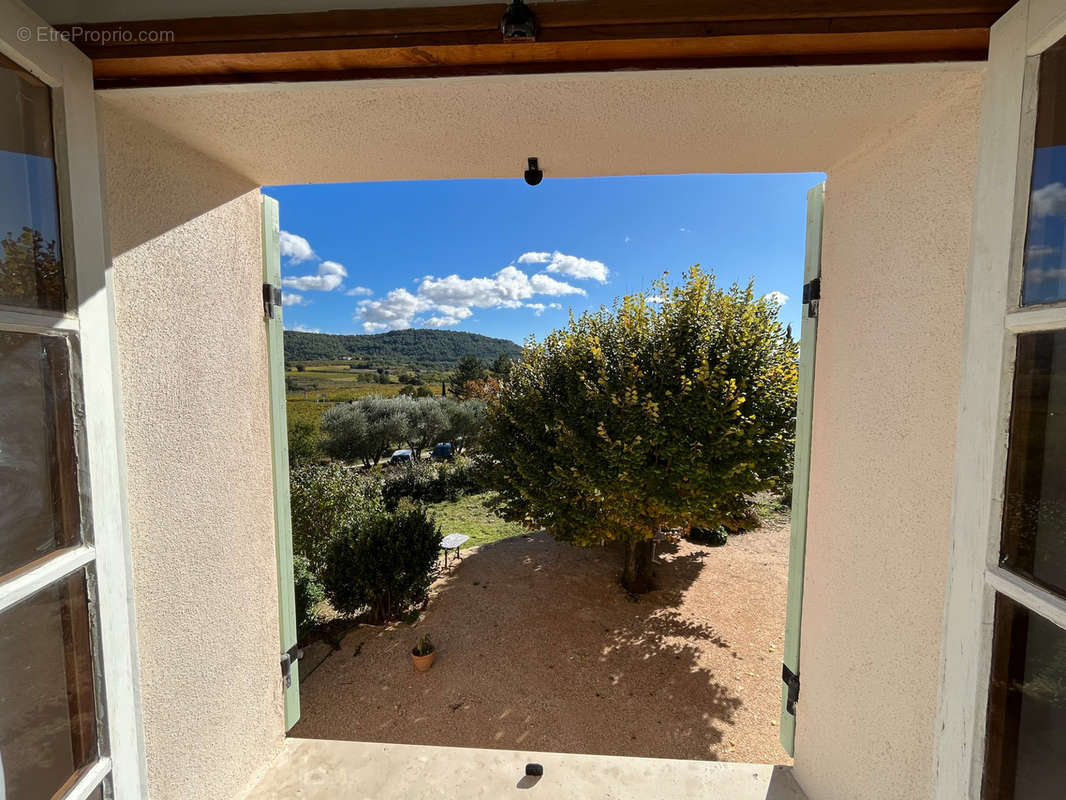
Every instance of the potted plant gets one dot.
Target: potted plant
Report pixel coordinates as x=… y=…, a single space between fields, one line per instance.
x=423 y=653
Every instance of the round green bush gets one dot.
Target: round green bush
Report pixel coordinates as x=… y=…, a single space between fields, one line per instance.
x=385 y=564
x=327 y=499
x=309 y=593
x=712 y=537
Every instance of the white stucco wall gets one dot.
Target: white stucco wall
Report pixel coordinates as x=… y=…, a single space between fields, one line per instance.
x=899 y=147
x=185 y=235
x=895 y=250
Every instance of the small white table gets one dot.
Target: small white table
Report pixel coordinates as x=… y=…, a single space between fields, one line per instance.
x=453 y=541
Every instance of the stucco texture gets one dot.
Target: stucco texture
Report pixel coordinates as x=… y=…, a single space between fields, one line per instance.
x=895 y=251
x=635 y=123
x=899 y=147
x=186 y=242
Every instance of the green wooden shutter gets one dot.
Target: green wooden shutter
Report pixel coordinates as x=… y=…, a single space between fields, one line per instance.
x=280 y=454
x=812 y=270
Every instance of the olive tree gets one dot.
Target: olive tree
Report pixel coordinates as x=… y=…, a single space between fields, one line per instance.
x=665 y=411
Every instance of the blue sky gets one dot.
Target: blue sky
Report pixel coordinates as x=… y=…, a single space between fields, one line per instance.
x=504 y=259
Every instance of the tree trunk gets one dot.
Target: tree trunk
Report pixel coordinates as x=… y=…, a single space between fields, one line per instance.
x=637 y=574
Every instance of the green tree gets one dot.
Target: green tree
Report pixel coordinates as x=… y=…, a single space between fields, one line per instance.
x=348 y=434
x=325 y=501
x=465 y=423
x=471 y=369
x=647 y=416
x=30 y=271
x=502 y=365
x=304 y=441
x=427 y=421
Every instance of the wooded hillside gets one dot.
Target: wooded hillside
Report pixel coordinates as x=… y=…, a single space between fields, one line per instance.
x=416 y=347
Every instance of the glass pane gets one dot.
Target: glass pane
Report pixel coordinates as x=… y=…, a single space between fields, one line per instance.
x=1034 y=514
x=47 y=702
x=1026 y=757
x=31 y=267
x=40 y=510
x=1045 y=256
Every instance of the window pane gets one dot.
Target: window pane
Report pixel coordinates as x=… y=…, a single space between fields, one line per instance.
x=1026 y=756
x=38 y=474
x=31 y=266
x=47 y=703
x=1034 y=515
x=1045 y=244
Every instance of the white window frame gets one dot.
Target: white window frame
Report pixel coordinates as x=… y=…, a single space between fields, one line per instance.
x=86 y=256
x=994 y=319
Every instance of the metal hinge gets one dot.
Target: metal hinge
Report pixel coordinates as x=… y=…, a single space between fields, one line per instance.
x=271 y=299
x=792 y=681
x=812 y=293
x=288 y=658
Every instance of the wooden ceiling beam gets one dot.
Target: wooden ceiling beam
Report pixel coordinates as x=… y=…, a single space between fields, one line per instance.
x=581 y=35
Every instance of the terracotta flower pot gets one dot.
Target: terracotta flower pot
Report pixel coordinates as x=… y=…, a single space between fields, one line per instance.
x=423 y=663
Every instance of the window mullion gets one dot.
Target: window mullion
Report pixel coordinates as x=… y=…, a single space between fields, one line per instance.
x=33 y=322
x=1040 y=601
x=89 y=780
x=38 y=576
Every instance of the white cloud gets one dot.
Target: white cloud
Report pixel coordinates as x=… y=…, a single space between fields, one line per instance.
x=440 y=322
x=685 y=230
x=302 y=329
x=1045 y=275
x=1041 y=251
x=577 y=267
x=330 y=275
x=780 y=298
x=534 y=258
x=1049 y=200
x=359 y=291
x=295 y=248
x=395 y=310
x=544 y=284
x=443 y=302
x=540 y=308
x=290 y=299
x=657 y=299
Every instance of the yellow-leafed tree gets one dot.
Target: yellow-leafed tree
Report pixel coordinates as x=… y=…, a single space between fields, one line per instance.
x=667 y=410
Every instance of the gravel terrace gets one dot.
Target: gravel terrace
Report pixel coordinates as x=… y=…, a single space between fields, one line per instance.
x=538 y=648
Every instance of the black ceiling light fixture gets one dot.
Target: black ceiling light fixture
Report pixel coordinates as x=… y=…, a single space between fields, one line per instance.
x=519 y=23
x=534 y=174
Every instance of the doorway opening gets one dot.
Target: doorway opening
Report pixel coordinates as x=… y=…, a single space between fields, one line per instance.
x=401 y=334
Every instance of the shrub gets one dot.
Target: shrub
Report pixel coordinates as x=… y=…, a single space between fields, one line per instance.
x=430 y=483
x=309 y=593
x=325 y=501
x=386 y=563
x=712 y=537
x=304 y=440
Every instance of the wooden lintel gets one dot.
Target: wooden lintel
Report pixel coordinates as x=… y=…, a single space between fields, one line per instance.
x=581 y=35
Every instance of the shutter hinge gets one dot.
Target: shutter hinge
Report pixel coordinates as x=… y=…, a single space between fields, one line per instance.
x=812 y=293
x=271 y=299
x=288 y=658
x=792 y=681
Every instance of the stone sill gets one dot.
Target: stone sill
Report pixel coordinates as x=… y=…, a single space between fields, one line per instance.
x=314 y=769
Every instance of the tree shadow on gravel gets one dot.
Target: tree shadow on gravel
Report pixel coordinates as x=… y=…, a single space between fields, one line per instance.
x=539 y=648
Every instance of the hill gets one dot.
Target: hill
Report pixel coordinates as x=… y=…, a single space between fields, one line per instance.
x=415 y=347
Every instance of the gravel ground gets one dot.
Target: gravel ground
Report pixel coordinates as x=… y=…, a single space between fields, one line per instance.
x=538 y=648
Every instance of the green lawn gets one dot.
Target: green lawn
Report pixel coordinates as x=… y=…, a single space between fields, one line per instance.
x=470 y=515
